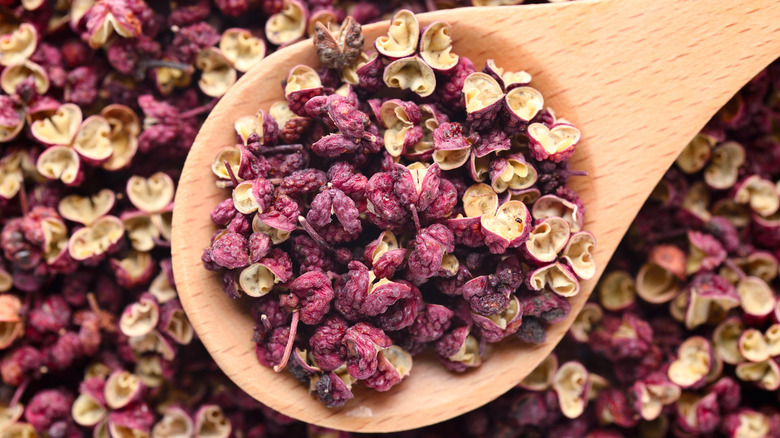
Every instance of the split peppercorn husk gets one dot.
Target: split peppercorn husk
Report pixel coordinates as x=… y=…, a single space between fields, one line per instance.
x=398 y=200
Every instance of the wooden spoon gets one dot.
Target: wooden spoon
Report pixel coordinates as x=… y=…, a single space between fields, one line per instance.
x=639 y=77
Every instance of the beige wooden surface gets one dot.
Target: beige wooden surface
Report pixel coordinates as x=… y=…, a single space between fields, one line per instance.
x=638 y=77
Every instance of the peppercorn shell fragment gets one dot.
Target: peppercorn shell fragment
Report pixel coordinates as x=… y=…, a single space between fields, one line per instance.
x=555 y=144
x=436 y=46
x=287 y=25
x=140 y=317
x=11 y=122
x=451 y=148
x=761 y=264
x=711 y=297
x=58 y=128
x=161 y=287
x=547 y=239
x=764 y=374
x=558 y=277
x=99 y=238
x=479 y=199
x=508 y=227
x=257 y=280
x=585 y=322
x=11 y=323
x=141 y=230
x=722 y=171
x=150 y=195
x=410 y=73
x=725 y=340
x=494 y=328
x=756 y=299
x=483 y=98
x=88 y=411
x=123 y=137
x=696 y=154
x=551 y=205
x=241 y=48
x=167 y=79
x=753 y=345
x=210 y=422
x=508 y=80
x=302 y=84
x=20 y=430
x=758 y=193
x=402 y=36
x=692 y=364
x=393 y=365
x=578 y=254
x=521 y=105
x=378 y=247
x=243 y=201
x=541 y=378
x=13 y=75
x=511 y=173
x=122 y=388
x=747 y=423
x=705 y=253
x=175 y=423
x=458 y=350
x=571 y=384
x=652 y=394
x=86 y=210
x=231 y=155
x=133 y=269
x=18 y=45
x=217 y=74
x=92 y=140
x=333 y=389
x=401 y=121
x=291 y=126
x=655 y=284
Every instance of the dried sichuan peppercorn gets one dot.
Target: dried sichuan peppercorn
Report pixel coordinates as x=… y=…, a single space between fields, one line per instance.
x=388 y=162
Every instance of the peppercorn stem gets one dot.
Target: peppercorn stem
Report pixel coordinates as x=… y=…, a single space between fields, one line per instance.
x=18 y=393
x=23 y=200
x=198 y=110
x=415 y=217
x=569 y=172
x=105 y=319
x=266 y=323
x=314 y=234
x=281 y=149
x=733 y=266
x=290 y=341
x=231 y=174
x=157 y=63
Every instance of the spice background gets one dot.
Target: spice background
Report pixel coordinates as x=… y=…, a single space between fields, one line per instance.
x=681 y=344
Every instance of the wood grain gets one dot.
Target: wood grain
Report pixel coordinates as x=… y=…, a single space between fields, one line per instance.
x=638 y=77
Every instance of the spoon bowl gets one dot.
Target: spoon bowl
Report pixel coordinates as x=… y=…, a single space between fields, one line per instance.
x=639 y=78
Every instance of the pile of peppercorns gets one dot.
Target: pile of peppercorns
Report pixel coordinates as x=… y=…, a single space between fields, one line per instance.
x=423 y=222
x=54 y=334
